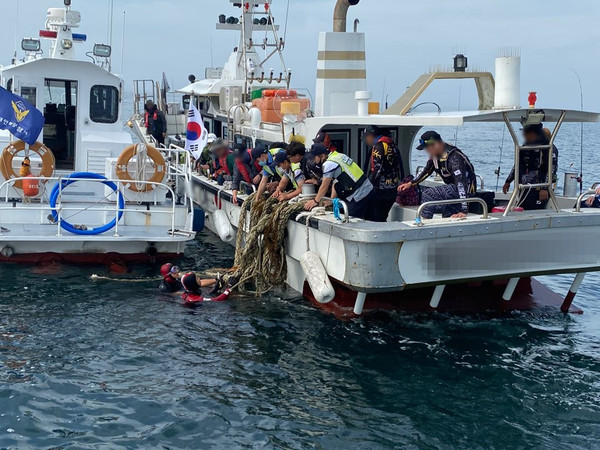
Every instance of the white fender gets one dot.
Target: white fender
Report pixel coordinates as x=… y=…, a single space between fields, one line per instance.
x=317 y=277
x=222 y=225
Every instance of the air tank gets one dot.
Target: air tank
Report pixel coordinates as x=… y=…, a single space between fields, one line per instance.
x=508 y=82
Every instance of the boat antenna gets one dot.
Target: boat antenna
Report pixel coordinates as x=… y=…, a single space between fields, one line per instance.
x=16 y=32
x=581 y=134
x=497 y=171
x=287 y=14
x=110 y=27
x=123 y=45
x=459 y=105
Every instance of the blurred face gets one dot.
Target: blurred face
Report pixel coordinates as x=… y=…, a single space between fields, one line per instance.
x=435 y=149
x=327 y=141
x=219 y=151
x=369 y=140
x=295 y=159
x=285 y=165
x=530 y=136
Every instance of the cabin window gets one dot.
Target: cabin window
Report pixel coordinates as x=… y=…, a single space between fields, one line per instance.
x=104 y=104
x=29 y=94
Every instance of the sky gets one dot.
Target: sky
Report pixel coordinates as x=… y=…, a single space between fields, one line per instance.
x=404 y=39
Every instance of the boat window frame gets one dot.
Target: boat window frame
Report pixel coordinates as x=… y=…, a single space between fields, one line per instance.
x=105 y=120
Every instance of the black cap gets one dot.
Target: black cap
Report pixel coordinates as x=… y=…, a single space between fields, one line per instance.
x=533 y=128
x=320 y=137
x=318 y=150
x=280 y=157
x=371 y=130
x=258 y=151
x=429 y=137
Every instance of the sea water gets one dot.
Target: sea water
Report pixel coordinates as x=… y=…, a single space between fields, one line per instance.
x=112 y=363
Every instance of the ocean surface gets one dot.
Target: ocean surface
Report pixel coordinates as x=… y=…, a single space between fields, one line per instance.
x=113 y=363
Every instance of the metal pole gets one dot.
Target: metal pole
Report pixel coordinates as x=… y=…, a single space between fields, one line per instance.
x=510 y=289
x=516 y=192
x=437 y=296
x=572 y=292
x=360 y=303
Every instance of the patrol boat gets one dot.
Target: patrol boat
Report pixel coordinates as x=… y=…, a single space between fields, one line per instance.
x=484 y=262
x=83 y=192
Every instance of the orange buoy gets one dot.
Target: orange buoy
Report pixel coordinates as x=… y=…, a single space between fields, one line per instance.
x=31 y=186
x=279 y=93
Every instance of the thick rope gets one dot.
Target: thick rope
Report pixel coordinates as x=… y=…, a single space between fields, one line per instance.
x=260 y=253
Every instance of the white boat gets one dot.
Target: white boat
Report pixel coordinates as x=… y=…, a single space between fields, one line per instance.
x=486 y=261
x=95 y=197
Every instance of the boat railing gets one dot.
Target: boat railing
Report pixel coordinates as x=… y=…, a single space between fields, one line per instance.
x=344 y=207
x=60 y=208
x=247 y=186
x=458 y=201
x=585 y=194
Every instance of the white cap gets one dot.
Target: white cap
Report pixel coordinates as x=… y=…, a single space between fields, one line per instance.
x=211 y=138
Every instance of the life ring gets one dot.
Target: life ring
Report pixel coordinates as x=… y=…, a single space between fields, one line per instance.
x=123 y=173
x=8 y=154
x=74 y=177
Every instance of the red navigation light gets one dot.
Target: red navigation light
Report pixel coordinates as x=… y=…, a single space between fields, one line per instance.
x=48 y=34
x=532 y=99
x=266 y=6
x=247 y=6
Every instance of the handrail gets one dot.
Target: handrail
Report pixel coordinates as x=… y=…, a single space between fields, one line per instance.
x=246 y=184
x=485 y=214
x=344 y=205
x=120 y=185
x=482 y=183
x=580 y=198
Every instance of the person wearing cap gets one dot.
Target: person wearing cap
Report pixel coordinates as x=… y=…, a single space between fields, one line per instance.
x=323 y=138
x=223 y=160
x=266 y=158
x=349 y=182
x=156 y=123
x=197 y=290
x=205 y=162
x=302 y=165
x=385 y=170
x=171 y=281
x=456 y=171
x=244 y=170
x=533 y=168
x=292 y=178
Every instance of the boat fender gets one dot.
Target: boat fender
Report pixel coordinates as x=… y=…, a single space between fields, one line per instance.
x=31 y=186
x=199 y=216
x=222 y=225
x=7 y=251
x=317 y=277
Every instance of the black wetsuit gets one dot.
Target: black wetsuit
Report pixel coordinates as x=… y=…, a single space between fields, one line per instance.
x=458 y=175
x=170 y=284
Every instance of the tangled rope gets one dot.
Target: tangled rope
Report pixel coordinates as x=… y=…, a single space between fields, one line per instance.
x=260 y=252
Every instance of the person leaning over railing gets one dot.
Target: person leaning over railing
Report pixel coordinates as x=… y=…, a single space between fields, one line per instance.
x=244 y=170
x=456 y=171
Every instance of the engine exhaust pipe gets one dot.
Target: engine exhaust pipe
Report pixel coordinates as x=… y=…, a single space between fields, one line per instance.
x=340 y=14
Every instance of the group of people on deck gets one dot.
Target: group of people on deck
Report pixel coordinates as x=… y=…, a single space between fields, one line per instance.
x=370 y=191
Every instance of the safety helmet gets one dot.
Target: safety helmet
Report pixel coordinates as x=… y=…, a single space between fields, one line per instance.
x=166 y=269
x=190 y=282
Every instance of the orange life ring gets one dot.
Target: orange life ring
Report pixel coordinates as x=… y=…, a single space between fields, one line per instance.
x=8 y=154
x=159 y=168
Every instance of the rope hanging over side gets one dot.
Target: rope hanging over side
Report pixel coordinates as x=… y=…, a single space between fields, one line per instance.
x=260 y=253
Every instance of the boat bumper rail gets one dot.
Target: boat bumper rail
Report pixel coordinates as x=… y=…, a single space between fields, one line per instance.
x=483 y=204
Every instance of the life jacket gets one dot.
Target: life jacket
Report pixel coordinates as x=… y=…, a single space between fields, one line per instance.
x=194 y=298
x=170 y=284
x=243 y=169
x=441 y=168
x=154 y=117
x=351 y=178
x=221 y=164
x=291 y=176
x=391 y=170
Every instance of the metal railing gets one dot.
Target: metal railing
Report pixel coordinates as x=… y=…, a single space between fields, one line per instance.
x=344 y=207
x=484 y=205
x=584 y=194
x=516 y=194
x=479 y=177
x=244 y=184
x=59 y=208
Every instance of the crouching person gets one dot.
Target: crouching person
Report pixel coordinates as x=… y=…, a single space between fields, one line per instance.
x=456 y=171
x=197 y=290
x=349 y=183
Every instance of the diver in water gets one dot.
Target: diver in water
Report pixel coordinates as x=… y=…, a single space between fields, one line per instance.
x=171 y=279
x=198 y=290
